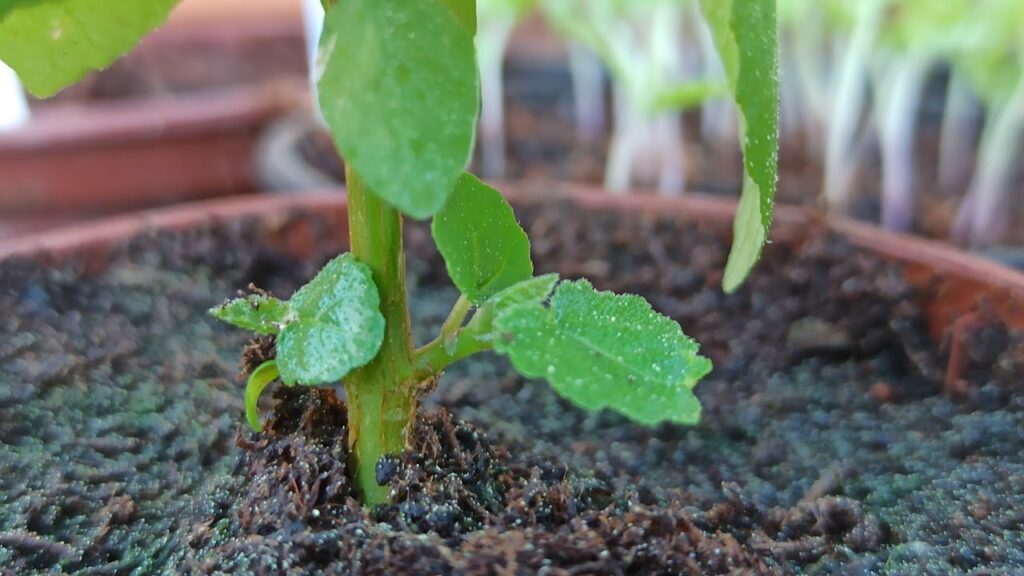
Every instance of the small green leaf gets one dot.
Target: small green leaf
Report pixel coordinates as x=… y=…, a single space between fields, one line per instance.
x=335 y=325
x=689 y=95
x=493 y=11
x=399 y=90
x=532 y=291
x=259 y=313
x=465 y=12
x=602 y=350
x=746 y=36
x=260 y=378
x=54 y=43
x=485 y=249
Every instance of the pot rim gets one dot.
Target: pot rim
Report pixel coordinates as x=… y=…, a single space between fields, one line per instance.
x=143 y=118
x=959 y=281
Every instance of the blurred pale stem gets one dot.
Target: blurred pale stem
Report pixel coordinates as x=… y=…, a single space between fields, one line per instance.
x=13 y=104
x=898 y=91
x=717 y=116
x=313 y=23
x=645 y=148
x=982 y=218
x=491 y=41
x=848 y=104
x=810 y=62
x=957 y=140
x=588 y=92
x=793 y=108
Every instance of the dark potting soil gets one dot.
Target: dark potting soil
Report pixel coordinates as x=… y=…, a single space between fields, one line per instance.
x=826 y=446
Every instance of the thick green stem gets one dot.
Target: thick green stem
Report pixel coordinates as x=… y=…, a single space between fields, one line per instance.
x=382 y=395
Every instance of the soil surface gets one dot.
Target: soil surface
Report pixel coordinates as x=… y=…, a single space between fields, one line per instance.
x=826 y=445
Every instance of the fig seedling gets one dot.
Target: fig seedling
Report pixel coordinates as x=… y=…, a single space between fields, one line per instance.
x=398 y=87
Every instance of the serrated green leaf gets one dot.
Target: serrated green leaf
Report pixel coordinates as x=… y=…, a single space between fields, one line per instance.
x=602 y=350
x=54 y=43
x=465 y=13
x=399 y=90
x=256 y=312
x=260 y=378
x=335 y=325
x=483 y=246
x=746 y=37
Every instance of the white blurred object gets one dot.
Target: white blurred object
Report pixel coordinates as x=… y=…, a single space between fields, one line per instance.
x=13 y=104
x=587 y=73
x=313 y=20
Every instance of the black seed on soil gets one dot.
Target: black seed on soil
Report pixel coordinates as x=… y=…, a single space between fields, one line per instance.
x=868 y=535
x=964 y=558
x=553 y=472
x=990 y=397
x=467 y=437
x=386 y=469
x=413 y=511
x=442 y=520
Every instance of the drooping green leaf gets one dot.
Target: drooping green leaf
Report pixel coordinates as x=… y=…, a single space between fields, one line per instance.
x=260 y=378
x=399 y=90
x=259 y=313
x=465 y=12
x=602 y=350
x=748 y=237
x=335 y=325
x=54 y=43
x=746 y=37
x=483 y=246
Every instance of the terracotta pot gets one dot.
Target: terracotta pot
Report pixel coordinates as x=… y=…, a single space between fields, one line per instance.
x=189 y=55
x=177 y=119
x=229 y=12
x=115 y=156
x=956 y=282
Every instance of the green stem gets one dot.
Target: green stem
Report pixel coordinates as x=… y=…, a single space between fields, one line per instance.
x=447 y=348
x=452 y=325
x=433 y=358
x=382 y=396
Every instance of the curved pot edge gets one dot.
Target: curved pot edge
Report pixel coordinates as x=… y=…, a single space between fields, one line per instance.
x=145 y=118
x=958 y=282
x=106 y=233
